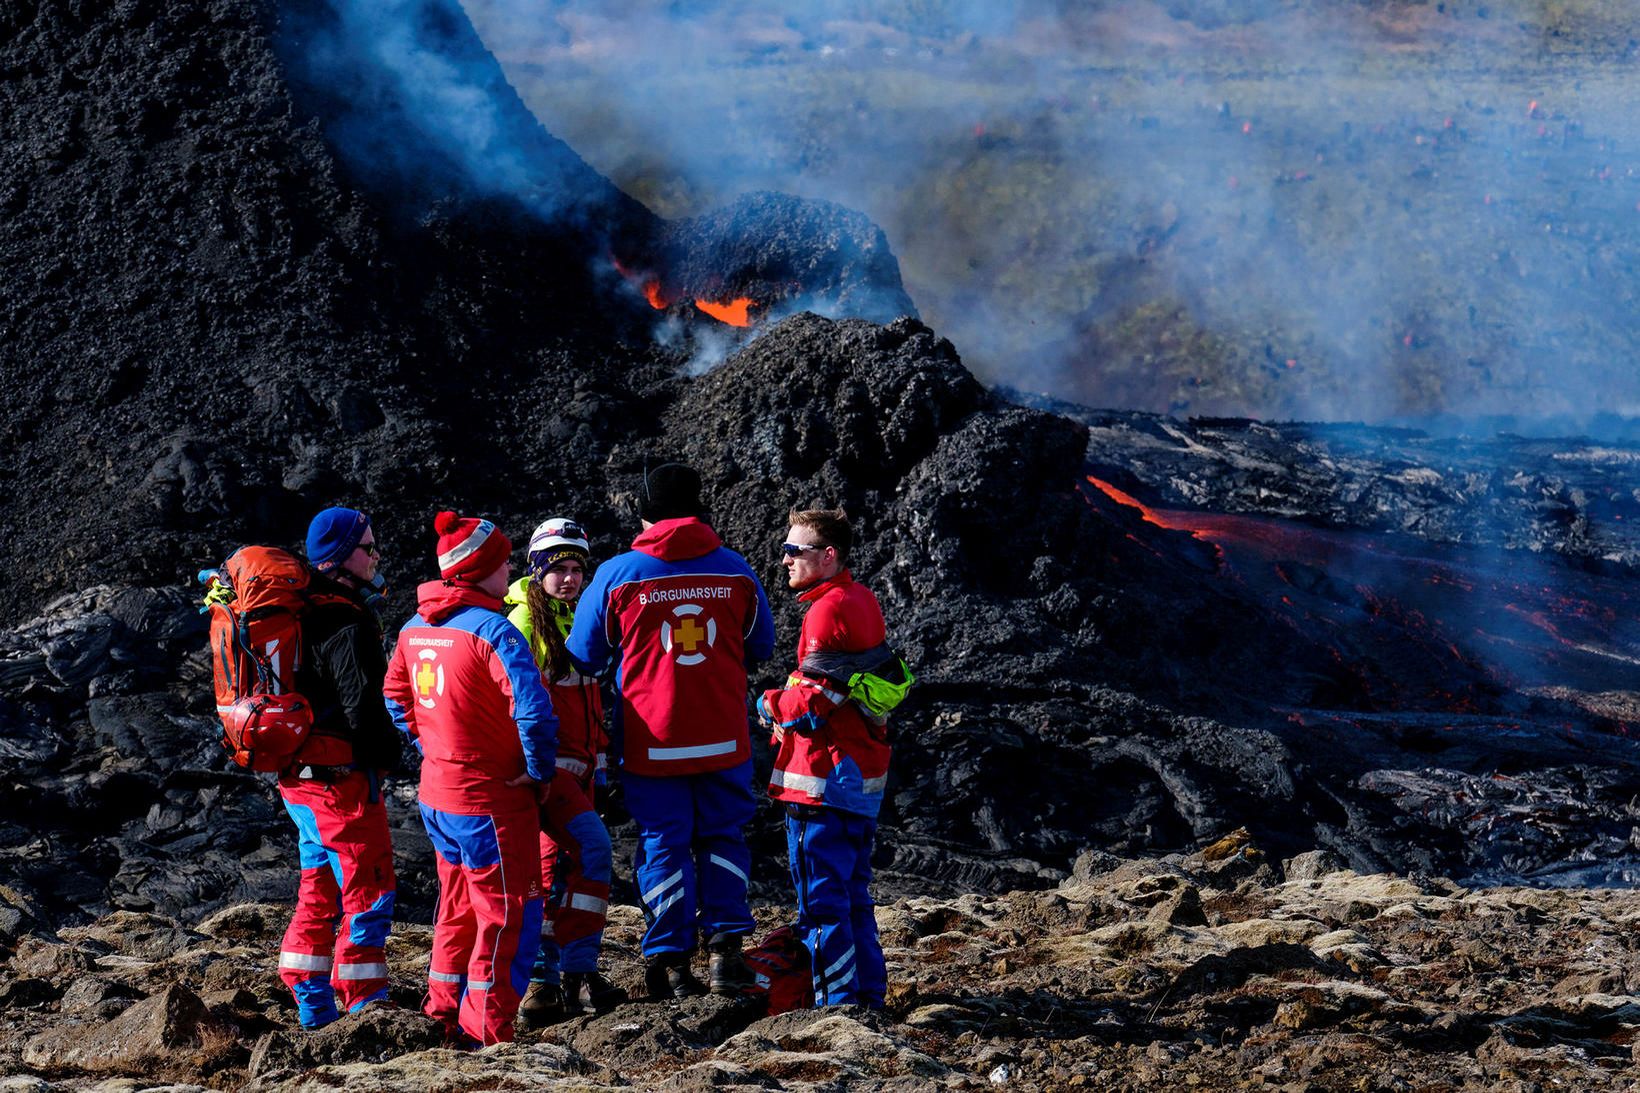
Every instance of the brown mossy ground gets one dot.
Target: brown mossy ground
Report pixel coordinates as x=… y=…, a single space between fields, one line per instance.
x=1197 y=971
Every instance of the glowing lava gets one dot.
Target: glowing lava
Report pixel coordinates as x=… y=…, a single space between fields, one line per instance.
x=1445 y=625
x=1195 y=524
x=647 y=283
x=736 y=312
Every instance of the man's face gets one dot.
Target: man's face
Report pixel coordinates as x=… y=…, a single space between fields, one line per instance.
x=362 y=562
x=808 y=561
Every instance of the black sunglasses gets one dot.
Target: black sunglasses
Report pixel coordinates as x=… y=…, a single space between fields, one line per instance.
x=370 y=549
x=793 y=550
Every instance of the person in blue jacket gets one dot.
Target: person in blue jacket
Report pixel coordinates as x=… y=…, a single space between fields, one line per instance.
x=682 y=616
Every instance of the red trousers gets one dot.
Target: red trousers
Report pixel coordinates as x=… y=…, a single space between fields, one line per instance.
x=344 y=901
x=489 y=919
x=576 y=867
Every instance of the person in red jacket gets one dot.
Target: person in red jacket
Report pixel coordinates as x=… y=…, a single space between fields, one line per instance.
x=463 y=686
x=576 y=862
x=686 y=615
x=333 y=949
x=831 y=763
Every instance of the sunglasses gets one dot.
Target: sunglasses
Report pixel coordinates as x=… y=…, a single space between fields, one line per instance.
x=795 y=550
x=370 y=549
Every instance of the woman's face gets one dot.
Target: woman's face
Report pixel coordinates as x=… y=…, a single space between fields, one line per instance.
x=563 y=580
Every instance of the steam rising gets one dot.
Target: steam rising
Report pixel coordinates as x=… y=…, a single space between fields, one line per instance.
x=415 y=104
x=1280 y=209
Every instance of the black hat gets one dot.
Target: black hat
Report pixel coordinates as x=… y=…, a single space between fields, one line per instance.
x=670 y=491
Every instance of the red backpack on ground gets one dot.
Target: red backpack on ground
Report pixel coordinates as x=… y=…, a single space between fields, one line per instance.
x=257 y=600
x=785 y=975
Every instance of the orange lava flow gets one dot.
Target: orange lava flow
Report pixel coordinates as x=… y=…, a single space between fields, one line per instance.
x=736 y=312
x=652 y=293
x=1162 y=519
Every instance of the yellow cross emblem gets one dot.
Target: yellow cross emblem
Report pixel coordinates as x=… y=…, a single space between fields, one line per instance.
x=425 y=679
x=689 y=635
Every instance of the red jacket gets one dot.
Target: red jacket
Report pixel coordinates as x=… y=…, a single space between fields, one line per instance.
x=462 y=684
x=686 y=615
x=582 y=742
x=829 y=751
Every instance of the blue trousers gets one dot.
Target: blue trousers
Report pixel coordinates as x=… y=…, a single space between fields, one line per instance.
x=830 y=854
x=692 y=863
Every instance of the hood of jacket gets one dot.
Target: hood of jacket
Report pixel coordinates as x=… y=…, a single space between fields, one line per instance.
x=438 y=600
x=677 y=540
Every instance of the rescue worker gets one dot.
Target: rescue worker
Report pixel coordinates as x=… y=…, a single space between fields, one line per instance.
x=682 y=615
x=831 y=763
x=462 y=685
x=575 y=852
x=332 y=950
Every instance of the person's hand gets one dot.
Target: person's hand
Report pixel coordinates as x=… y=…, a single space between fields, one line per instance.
x=523 y=780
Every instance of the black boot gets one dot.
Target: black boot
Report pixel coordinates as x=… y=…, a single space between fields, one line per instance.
x=667 y=976
x=727 y=972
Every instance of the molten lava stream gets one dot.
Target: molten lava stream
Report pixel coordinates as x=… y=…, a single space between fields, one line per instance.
x=736 y=312
x=1159 y=517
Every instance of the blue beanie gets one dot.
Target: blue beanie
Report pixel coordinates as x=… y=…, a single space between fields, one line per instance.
x=333 y=536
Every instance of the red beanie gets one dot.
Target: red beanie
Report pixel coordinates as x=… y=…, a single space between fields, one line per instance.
x=469 y=548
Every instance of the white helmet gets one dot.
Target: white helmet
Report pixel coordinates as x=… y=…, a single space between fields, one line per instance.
x=558 y=537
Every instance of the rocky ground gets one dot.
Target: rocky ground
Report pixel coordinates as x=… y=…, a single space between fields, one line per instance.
x=1216 y=969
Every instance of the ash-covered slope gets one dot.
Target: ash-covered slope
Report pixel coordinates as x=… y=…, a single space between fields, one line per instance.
x=208 y=325
x=263 y=255
x=762 y=246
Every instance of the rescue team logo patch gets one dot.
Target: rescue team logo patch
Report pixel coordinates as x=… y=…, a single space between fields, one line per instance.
x=686 y=640
x=429 y=678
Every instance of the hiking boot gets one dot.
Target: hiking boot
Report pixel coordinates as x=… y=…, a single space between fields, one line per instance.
x=543 y=1005
x=727 y=971
x=668 y=976
x=589 y=992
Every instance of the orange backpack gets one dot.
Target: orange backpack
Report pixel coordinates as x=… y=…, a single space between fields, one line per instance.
x=257 y=600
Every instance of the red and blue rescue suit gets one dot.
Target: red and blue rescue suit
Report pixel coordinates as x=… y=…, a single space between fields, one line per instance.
x=576 y=860
x=332 y=950
x=463 y=686
x=686 y=615
x=830 y=770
